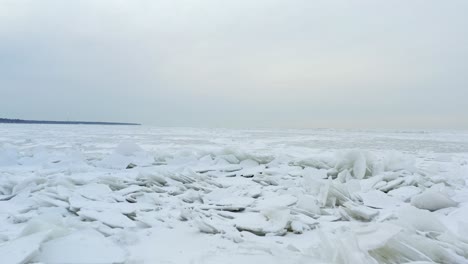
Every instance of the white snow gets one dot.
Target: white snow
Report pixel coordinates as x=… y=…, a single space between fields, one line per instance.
x=97 y=194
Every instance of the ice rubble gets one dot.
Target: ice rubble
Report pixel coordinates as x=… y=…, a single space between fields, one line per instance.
x=359 y=206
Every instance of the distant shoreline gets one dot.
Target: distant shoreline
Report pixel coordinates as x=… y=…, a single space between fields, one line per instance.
x=21 y=121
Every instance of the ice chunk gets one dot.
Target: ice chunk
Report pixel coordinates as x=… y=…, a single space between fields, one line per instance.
x=77 y=202
x=359 y=212
x=374 y=236
x=274 y=221
x=323 y=194
x=248 y=163
x=309 y=203
x=420 y=220
x=84 y=247
x=297 y=227
x=340 y=249
x=48 y=222
x=392 y=184
x=432 y=200
x=276 y=201
x=108 y=217
x=378 y=199
x=49 y=201
x=94 y=191
x=23 y=249
x=153 y=178
x=360 y=166
x=355 y=161
x=227 y=197
x=404 y=193
x=206 y=226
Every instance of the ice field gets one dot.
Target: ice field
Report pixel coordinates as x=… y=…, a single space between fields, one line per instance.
x=116 y=194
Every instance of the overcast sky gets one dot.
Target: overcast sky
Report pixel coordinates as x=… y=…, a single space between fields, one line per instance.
x=242 y=63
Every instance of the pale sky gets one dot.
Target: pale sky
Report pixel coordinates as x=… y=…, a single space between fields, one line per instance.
x=242 y=63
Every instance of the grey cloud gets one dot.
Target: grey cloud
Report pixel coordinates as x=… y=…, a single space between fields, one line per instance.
x=237 y=63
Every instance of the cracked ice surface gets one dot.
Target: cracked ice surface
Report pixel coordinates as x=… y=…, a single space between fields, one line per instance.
x=96 y=194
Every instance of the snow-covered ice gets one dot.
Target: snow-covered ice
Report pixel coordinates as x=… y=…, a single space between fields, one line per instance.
x=104 y=194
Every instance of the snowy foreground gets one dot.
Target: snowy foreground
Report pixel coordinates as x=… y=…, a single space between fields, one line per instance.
x=92 y=194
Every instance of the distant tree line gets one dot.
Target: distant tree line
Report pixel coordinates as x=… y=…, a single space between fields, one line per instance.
x=20 y=121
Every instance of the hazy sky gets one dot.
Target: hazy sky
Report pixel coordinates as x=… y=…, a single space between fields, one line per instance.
x=239 y=63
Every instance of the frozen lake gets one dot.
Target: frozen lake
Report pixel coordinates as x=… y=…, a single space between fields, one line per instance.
x=117 y=194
